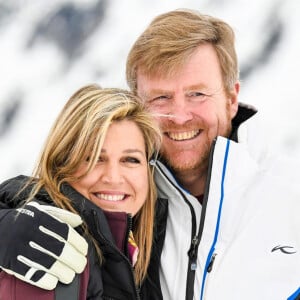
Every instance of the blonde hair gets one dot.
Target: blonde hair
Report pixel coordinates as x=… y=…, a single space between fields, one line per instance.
x=79 y=131
x=172 y=37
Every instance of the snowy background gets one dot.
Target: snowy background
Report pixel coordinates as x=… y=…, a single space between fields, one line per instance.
x=48 y=49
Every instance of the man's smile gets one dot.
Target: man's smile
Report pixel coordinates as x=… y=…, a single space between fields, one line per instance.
x=183 y=136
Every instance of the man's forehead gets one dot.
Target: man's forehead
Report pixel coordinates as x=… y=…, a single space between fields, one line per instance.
x=155 y=75
x=149 y=87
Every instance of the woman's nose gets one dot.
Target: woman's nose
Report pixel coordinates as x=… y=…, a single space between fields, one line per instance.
x=112 y=174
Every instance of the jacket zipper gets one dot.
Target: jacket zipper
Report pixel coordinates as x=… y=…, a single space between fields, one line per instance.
x=211 y=263
x=137 y=290
x=195 y=238
x=192 y=253
x=191 y=276
x=212 y=255
x=129 y=227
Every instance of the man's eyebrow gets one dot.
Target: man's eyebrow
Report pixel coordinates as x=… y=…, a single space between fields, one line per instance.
x=155 y=92
x=195 y=87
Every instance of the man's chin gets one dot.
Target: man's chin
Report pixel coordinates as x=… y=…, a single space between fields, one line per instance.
x=185 y=161
x=180 y=165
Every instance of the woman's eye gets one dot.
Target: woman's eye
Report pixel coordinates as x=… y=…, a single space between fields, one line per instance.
x=100 y=159
x=132 y=160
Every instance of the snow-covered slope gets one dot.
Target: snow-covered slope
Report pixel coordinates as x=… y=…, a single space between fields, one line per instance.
x=48 y=49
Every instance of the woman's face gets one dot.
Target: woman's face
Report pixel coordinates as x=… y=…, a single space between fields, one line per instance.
x=119 y=180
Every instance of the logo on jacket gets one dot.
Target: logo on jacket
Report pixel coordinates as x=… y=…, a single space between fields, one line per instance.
x=285 y=249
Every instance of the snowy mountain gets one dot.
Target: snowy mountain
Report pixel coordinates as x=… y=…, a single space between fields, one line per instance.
x=48 y=49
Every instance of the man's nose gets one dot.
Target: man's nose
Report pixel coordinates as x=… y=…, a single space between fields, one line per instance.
x=180 y=112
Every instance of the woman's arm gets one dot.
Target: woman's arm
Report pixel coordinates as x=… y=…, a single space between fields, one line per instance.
x=37 y=245
x=12 y=288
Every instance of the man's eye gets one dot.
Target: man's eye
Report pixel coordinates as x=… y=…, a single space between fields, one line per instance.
x=198 y=96
x=161 y=97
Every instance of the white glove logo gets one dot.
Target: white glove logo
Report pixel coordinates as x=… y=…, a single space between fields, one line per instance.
x=26 y=212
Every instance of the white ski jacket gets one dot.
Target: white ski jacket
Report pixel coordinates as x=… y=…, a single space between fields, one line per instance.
x=247 y=232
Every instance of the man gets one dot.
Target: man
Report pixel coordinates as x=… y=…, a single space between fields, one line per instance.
x=232 y=230
x=184 y=66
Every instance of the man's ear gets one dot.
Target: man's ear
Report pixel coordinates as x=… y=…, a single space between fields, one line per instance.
x=234 y=105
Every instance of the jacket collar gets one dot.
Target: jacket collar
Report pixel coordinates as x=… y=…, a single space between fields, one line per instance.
x=245 y=112
x=112 y=225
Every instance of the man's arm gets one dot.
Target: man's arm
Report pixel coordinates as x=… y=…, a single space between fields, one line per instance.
x=38 y=242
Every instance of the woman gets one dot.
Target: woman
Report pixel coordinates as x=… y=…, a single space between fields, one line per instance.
x=95 y=163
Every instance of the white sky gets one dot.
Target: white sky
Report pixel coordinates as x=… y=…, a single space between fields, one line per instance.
x=40 y=73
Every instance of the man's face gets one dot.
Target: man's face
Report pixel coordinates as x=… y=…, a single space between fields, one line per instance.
x=191 y=107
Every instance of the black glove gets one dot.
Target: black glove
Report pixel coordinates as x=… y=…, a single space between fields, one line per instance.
x=39 y=245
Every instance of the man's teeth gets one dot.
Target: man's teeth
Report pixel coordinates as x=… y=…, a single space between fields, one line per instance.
x=109 y=197
x=181 y=136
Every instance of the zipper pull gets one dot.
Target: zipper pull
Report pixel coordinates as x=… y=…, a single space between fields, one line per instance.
x=192 y=253
x=129 y=227
x=210 y=265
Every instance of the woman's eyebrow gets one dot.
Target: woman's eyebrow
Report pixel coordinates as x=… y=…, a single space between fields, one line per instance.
x=129 y=150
